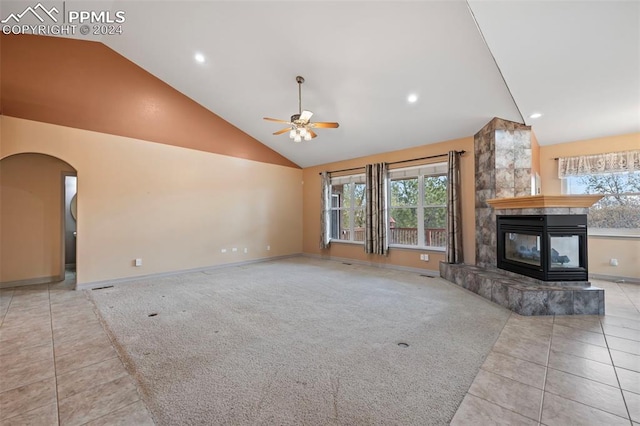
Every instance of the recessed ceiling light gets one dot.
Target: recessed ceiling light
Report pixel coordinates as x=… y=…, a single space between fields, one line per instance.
x=535 y=115
x=412 y=98
x=199 y=57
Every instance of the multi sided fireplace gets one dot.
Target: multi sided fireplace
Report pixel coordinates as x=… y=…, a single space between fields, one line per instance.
x=546 y=247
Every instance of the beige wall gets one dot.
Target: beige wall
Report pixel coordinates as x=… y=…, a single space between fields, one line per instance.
x=601 y=249
x=174 y=207
x=397 y=257
x=535 y=154
x=626 y=250
x=31 y=217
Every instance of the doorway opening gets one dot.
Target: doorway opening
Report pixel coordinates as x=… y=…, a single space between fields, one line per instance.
x=34 y=227
x=70 y=218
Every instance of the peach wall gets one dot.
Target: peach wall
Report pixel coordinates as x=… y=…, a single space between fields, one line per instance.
x=535 y=154
x=601 y=249
x=625 y=249
x=398 y=257
x=175 y=208
x=87 y=85
x=31 y=218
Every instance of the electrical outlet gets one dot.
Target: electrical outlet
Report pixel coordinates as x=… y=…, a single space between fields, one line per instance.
x=613 y=262
x=137 y=262
x=235 y=249
x=426 y=257
x=422 y=257
x=268 y=248
x=246 y=250
x=223 y=251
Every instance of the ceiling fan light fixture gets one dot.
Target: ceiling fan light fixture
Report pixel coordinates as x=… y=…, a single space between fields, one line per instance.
x=301 y=125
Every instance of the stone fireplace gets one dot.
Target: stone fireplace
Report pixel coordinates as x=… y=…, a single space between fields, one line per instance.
x=531 y=250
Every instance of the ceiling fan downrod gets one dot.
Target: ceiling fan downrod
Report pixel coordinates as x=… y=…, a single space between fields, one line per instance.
x=294 y=117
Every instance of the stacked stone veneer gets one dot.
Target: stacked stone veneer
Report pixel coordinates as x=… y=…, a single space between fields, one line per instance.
x=503 y=170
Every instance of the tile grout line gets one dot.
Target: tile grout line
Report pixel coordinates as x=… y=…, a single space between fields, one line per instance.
x=579 y=402
x=546 y=370
x=578 y=356
x=13 y=292
x=624 y=400
x=509 y=378
x=498 y=405
x=111 y=412
x=53 y=349
x=627 y=296
x=117 y=356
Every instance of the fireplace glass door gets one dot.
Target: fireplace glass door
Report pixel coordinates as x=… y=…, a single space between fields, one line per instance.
x=565 y=251
x=544 y=247
x=524 y=248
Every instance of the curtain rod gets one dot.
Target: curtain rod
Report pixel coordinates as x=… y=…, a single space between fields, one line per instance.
x=397 y=162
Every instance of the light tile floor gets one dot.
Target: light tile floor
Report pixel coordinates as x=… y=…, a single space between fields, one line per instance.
x=563 y=370
x=57 y=366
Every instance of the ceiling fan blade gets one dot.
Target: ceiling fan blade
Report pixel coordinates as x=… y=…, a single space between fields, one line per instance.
x=324 y=125
x=305 y=116
x=312 y=133
x=285 y=130
x=276 y=120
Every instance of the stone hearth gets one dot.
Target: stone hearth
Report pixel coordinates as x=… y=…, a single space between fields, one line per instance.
x=526 y=296
x=503 y=170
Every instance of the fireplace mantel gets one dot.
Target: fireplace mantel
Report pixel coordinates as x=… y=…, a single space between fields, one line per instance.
x=542 y=201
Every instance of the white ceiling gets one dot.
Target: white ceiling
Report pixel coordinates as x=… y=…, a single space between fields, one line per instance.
x=577 y=62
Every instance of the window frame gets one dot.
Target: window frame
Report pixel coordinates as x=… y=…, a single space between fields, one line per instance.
x=352 y=180
x=566 y=189
x=419 y=172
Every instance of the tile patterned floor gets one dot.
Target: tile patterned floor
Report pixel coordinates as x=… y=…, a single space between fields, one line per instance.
x=563 y=370
x=57 y=366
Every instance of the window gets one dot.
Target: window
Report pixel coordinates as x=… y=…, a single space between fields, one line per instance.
x=347 y=215
x=618 y=212
x=418 y=206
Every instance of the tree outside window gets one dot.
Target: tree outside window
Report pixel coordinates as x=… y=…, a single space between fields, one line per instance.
x=619 y=209
x=348 y=198
x=417 y=209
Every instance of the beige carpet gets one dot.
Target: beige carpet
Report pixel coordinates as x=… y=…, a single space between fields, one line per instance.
x=300 y=341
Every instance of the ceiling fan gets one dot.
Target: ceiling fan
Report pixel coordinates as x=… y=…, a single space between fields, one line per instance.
x=300 y=127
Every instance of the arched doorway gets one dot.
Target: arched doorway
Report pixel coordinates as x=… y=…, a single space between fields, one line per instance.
x=33 y=218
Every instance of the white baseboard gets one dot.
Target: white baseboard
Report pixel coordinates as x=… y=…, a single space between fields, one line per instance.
x=32 y=281
x=116 y=281
x=615 y=278
x=429 y=272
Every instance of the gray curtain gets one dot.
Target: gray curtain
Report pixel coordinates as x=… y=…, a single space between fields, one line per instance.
x=454 y=212
x=325 y=206
x=376 y=209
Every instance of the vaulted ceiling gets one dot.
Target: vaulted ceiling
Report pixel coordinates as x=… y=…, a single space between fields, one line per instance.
x=575 y=62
